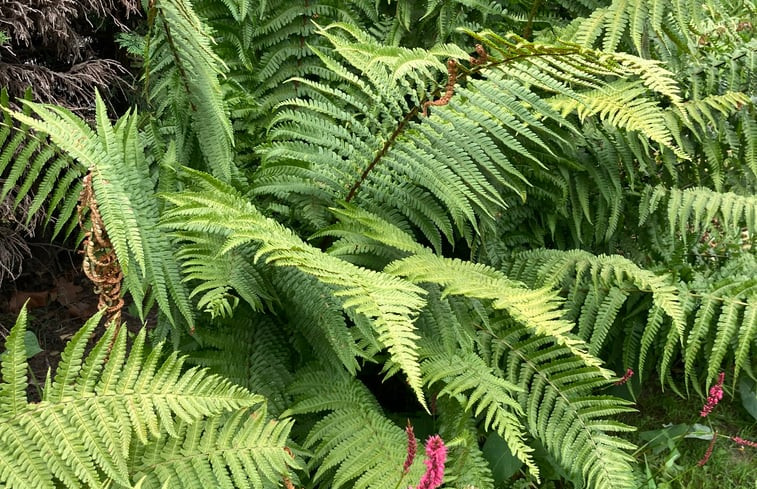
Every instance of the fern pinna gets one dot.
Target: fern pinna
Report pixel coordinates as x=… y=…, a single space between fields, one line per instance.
x=374 y=212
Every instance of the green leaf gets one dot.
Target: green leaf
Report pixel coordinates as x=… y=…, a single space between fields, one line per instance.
x=501 y=460
x=748 y=391
x=31 y=343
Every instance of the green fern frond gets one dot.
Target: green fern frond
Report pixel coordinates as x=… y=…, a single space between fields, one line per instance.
x=560 y=408
x=636 y=19
x=181 y=49
x=693 y=210
x=466 y=465
x=366 y=143
x=125 y=195
x=622 y=105
x=216 y=275
x=246 y=449
x=538 y=309
x=354 y=443
x=391 y=304
x=28 y=162
x=319 y=318
x=724 y=329
x=251 y=350
x=596 y=288
x=466 y=378
x=94 y=407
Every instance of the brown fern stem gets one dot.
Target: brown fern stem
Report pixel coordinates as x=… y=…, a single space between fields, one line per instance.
x=482 y=62
x=388 y=144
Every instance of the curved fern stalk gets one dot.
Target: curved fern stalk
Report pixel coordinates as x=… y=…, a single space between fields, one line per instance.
x=31 y=164
x=445 y=174
x=93 y=408
x=180 y=49
x=391 y=304
x=560 y=408
x=125 y=196
x=354 y=443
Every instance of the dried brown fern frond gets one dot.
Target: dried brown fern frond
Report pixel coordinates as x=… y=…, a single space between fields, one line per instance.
x=63 y=49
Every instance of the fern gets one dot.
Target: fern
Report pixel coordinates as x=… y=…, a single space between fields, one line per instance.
x=537 y=309
x=32 y=165
x=124 y=192
x=695 y=209
x=372 y=148
x=559 y=406
x=95 y=408
x=388 y=302
x=263 y=360
x=354 y=443
x=596 y=287
x=723 y=328
x=244 y=450
x=180 y=50
x=468 y=379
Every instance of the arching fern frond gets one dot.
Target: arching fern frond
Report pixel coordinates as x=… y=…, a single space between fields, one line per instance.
x=596 y=288
x=537 y=309
x=694 y=210
x=320 y=320
x=391 y=304
x=250 y=349
x=465 y=377
x=724 y=329
x=125 y=195
x=365 y=141
x=243 y=450
x=623 y=106
x=215 y=275
x=180 y=51
x=96 y=407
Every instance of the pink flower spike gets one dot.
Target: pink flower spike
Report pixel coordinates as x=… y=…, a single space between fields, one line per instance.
x=708 y=453
x=744 y=443
x=412 y=447
x=436 y=455
x=626 y=377
x=716 y=394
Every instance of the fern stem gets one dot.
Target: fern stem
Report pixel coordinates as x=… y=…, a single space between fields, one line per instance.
x=388 y=144
x=177 y=60
x=414 y=112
